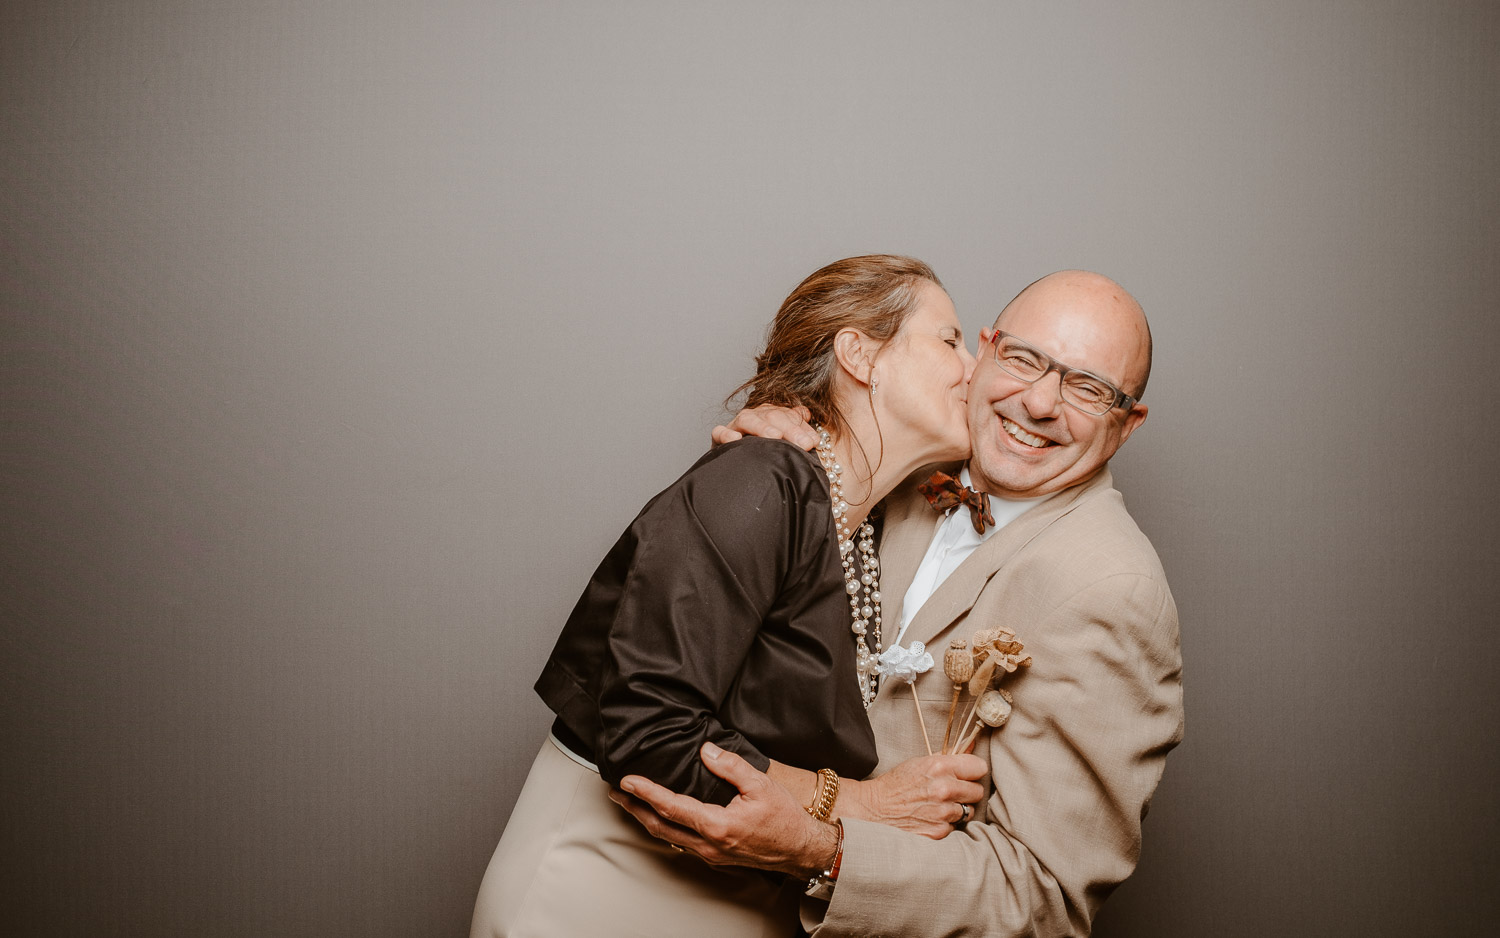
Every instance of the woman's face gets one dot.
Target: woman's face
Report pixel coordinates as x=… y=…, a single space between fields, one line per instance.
x=922 y=382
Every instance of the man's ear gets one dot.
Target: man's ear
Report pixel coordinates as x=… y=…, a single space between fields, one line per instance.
x=855 y=352
x=1135 y=418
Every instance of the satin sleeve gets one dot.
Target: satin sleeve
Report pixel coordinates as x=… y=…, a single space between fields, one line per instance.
x=708 y=559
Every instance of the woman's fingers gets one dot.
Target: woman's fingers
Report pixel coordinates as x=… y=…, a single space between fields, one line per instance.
x=968 y=766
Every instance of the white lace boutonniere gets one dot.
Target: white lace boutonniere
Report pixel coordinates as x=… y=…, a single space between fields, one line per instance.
x=904 y=664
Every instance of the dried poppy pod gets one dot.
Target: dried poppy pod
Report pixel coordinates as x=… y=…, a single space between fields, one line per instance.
x=958 y=664
x=993 y=709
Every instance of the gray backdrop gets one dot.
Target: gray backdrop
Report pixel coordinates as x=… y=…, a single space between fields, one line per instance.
x=341 y=338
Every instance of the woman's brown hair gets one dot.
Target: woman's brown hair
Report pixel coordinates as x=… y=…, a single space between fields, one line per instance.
x=873 y=293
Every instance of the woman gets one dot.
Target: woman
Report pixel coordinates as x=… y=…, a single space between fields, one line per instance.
x=742 y=607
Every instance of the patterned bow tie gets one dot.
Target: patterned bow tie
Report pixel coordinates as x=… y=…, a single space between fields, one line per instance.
x=943 y=491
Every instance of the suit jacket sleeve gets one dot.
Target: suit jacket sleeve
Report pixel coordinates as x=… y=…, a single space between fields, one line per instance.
x=1072 y=771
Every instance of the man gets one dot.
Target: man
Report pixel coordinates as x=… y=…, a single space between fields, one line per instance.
x=1055 y=394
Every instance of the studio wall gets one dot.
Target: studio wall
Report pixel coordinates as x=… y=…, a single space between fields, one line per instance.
x=339 y=341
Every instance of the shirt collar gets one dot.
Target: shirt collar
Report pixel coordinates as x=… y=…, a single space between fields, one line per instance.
x=1004 y=510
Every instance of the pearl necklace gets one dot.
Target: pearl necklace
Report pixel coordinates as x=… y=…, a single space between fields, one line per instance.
x=865 y=609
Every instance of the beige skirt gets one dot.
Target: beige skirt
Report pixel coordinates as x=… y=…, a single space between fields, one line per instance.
x=572 y=863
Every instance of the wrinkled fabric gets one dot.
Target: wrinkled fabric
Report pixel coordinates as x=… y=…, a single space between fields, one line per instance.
x=571 y=863
x=1072 y=770
x=720 y=614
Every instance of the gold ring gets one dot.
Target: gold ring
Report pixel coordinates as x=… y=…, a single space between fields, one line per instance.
x=677 y=848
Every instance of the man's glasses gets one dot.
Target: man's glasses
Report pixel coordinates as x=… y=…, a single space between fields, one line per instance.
x=1087 y=392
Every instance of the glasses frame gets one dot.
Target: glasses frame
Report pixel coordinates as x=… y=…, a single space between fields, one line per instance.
x=1121 y=400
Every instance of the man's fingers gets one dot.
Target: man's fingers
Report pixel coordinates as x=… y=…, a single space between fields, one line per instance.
x=722 y=434
x=685 y=811
x=657 y=826
x=756 y=425
x=731 y=768
x=664 y=822
x=680 y=810
x=654 y=823
x=790 y=425
x=773 y=422
x=648 y=791
x=804 y=435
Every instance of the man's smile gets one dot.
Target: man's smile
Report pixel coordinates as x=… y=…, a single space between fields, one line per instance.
x=1030 y=439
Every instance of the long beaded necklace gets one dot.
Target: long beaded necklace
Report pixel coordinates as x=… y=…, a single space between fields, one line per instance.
x=865 y=608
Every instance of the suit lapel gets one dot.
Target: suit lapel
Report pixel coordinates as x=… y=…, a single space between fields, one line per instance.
x=958 y=593
x=910 y=523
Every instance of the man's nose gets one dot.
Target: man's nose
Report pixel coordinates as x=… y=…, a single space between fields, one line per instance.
x=1044 y=398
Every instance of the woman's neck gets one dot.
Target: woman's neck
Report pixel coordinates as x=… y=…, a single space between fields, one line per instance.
x=870 y=471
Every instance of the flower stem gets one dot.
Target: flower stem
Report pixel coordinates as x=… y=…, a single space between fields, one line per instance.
x=923 y=722
x=968 y=740
x=952 y=709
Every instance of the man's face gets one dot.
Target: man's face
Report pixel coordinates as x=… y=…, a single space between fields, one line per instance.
x=1026 y=441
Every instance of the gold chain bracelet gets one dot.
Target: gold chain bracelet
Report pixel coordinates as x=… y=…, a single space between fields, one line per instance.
x=825 y=795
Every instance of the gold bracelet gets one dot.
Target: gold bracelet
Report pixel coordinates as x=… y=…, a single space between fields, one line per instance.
x=812 y=806
x=825 y=795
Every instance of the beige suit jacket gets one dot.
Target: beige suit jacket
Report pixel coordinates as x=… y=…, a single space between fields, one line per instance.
x=1073 y=769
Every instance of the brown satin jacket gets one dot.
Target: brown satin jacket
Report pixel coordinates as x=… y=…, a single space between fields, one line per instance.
x=720 y=614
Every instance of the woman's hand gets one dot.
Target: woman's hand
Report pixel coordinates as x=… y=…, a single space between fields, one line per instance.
x=924 y=795
x=770 y=422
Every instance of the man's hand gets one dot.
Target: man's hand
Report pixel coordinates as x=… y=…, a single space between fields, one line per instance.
x=924 y=795
x=770 y=422
x=763 y=826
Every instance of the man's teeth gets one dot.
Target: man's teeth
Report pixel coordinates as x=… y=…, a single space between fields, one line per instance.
x=1028 y=438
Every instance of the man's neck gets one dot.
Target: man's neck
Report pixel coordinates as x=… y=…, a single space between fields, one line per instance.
x=979 y=483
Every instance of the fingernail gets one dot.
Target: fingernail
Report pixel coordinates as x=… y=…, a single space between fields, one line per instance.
x=628 y=785
x=711 y=752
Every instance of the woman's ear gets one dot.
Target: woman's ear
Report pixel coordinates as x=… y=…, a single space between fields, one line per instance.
x=855 y=352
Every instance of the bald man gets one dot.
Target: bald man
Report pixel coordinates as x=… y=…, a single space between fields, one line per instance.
x=1056 y=392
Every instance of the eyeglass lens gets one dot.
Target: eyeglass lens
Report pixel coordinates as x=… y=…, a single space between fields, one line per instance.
x=1079 y=388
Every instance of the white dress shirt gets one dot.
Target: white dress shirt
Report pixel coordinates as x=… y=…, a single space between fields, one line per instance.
x=954 y=541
